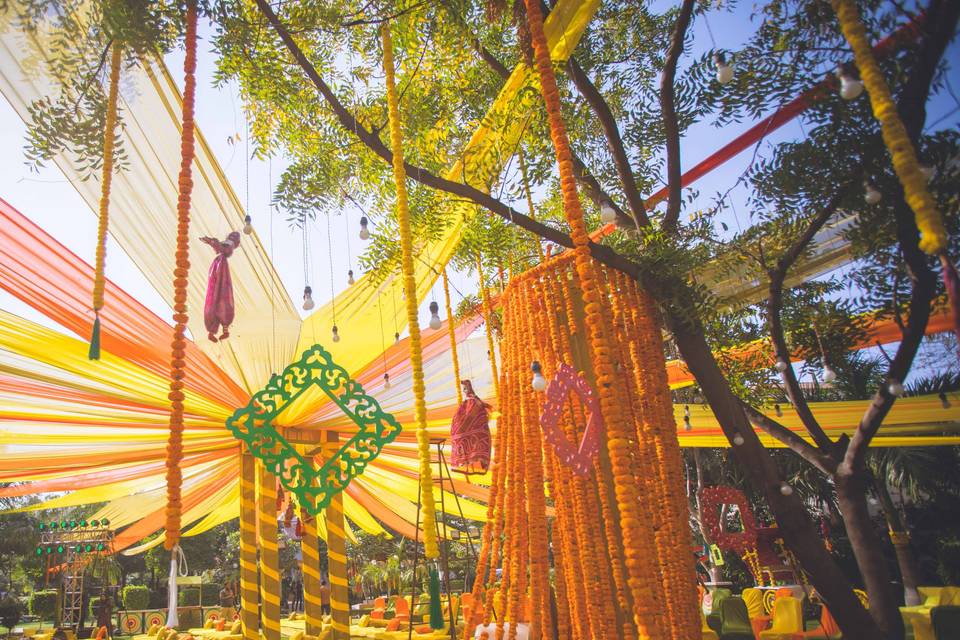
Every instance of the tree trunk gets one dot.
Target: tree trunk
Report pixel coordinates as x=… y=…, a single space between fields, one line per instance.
x=851 y=494
x=900 y=537
x=798 y=530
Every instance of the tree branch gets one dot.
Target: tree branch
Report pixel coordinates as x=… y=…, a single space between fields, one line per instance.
x=794 y=442
x=944 y=15
x=777 y=276
x=601 y=253
x=668 y=113
x=614 y=141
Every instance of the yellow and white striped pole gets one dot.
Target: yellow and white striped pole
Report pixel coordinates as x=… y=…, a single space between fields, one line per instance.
x=337 y=554
x=249 y=598
x=310 y=544
x=269 y=555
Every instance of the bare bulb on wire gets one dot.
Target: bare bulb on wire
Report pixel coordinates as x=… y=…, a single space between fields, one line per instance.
x=607 y=213
x=386 y=381
x=396 y=338
x=434 y=316
x=364 y=232
x=781 y=366
x=539 y=383
x=895 y=388
x=786 y=489
x=850 y=87
x=335 y=334
x=829 y=375
x=871 y=195
x=247 y=225
x=350 y=279
x=724 y=68
x=307 y=298
x=738 y=439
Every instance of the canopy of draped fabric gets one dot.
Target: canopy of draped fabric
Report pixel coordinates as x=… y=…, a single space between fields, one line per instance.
x=96 y=431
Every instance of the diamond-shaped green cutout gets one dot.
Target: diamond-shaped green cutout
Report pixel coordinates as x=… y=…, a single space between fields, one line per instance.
x=314 y=487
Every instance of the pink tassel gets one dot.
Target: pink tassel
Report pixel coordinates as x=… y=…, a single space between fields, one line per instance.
x=951 y=281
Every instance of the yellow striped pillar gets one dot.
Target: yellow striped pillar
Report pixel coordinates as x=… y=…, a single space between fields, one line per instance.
x=249 y=598
x=269 y=555
x=337 y=554
x=310 y=545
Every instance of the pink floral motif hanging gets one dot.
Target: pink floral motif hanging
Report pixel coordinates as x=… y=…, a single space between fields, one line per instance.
x=580 y=459
x=470 y=434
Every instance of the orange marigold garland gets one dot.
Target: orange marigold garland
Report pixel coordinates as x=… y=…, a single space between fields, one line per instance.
x=636 y=533
x=110 y=125
x=180 y=273
x=487 y=321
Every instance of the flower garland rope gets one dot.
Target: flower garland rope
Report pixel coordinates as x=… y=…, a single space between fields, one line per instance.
x=933 y=236
x=431 y=550
x=180 y=273
x=452 y=330
x=487 y=319
x=637 y=533
x=106 y=179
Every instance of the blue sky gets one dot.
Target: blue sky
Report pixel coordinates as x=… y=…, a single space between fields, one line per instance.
x=47 y=198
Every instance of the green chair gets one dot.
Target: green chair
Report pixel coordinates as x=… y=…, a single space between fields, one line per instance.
x=735 y=621
x=946 y=622
x=714 y=620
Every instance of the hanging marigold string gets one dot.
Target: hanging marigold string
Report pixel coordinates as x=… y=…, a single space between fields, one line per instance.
x=110 y=125
x=431 y=550
x=933 y=236
x=452 y=330
x=180 y=274
x=637 y=532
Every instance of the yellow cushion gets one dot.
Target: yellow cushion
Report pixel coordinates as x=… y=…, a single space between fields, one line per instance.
x=236 y=627
x=209 y=623
x=161 y=632
x=297 y=635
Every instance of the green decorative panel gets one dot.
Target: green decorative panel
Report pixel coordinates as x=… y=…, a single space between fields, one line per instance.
x=313 y=487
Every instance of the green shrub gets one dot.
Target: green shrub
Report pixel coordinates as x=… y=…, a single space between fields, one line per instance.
x=211 y=593
x=43 y=604
x=157 y=600
x=136 y=597
x=188 y=597
x=10 y=612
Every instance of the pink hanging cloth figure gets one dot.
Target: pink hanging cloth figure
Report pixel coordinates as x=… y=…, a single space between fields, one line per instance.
x=218 y=308
x=470 y=434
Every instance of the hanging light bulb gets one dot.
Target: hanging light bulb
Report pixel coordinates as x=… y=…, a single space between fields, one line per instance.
x=850 y=87
x=927 y=172
x=247 y=225
x=386 y=381
x=607 y=213
x=895 y=388
x=686 y=411
x=539 y=383
x=350 y=279
x=777 y=410
x=724 y=69
x=307 y=298
x=944 y=401
x=871 y=194
x=786 y=489
x=781 y=366
x=335 y=334
x=687 y=425
x=364 y=232
x=738 y=439
x=829 y=375
x=396 y=338
x=434 y=316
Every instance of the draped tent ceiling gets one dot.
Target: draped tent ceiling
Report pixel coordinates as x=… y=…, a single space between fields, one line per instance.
x=96 y=431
